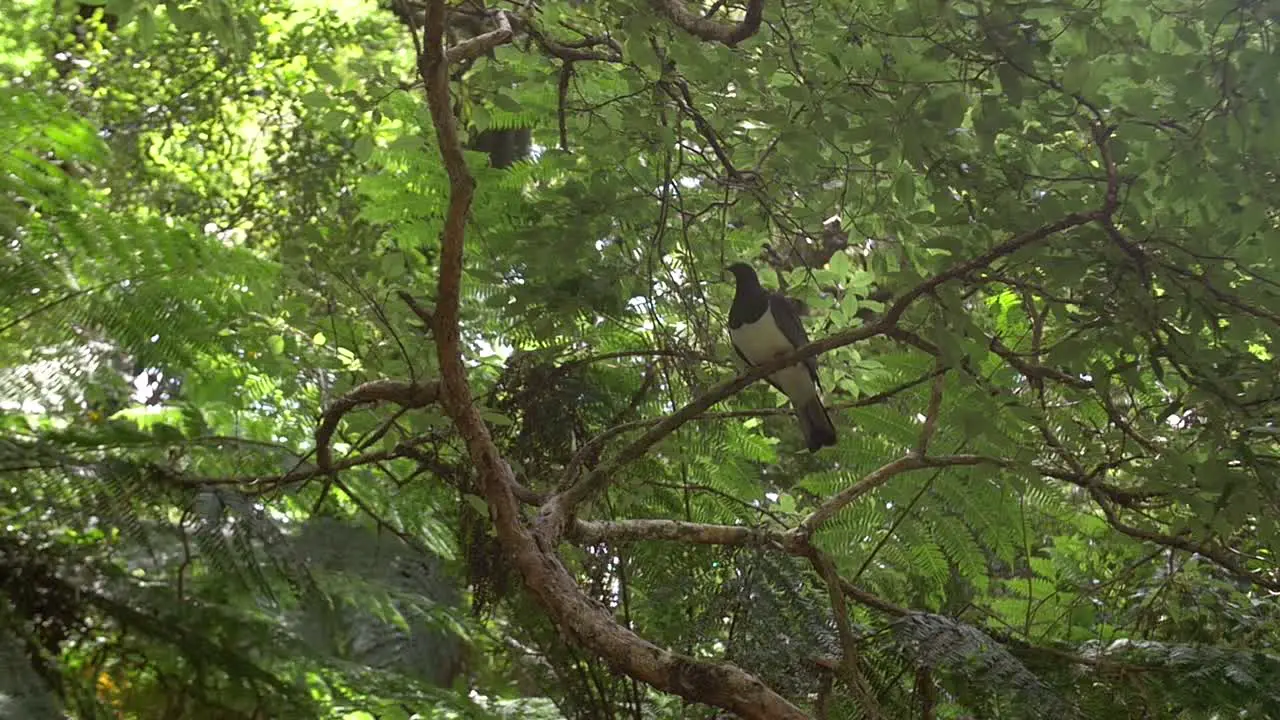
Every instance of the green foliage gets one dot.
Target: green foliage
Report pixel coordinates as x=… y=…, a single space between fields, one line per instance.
x=209 y=210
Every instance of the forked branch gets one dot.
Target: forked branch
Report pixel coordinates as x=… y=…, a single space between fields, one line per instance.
x=553 y=519
x=479 y=45
x=406 y=395
x=583 y=621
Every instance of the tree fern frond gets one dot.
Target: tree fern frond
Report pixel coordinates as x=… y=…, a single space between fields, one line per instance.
x=941 y=643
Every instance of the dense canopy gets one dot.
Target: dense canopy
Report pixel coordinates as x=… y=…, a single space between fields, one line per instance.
x=368 y=359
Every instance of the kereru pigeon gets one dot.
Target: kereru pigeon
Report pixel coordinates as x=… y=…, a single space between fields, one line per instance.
x=764 y=325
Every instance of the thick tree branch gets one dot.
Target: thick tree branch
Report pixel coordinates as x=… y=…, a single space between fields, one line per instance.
x=479 y=45
x=710 y=30
x=554 y=515
x=407 y=395
x=585 y=622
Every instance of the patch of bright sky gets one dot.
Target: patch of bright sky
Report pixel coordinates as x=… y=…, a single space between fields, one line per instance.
x=498 y=349
x=20 y=54
x=349 y=11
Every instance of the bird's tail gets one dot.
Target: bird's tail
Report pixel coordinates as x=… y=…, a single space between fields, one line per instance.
x=816 y=425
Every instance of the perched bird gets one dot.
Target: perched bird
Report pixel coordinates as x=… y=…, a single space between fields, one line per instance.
x=764 y=325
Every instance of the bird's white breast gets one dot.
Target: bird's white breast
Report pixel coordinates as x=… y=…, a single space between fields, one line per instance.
x=761 y=341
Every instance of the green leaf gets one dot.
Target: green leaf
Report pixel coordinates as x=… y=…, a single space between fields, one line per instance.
x=364 y=148
x=839 y=265
x=1188 y=36
x=124 y=10
x=477 y=503
x=327 y=73
x=640 y=51
x=506 y=103
x=794 y=92
x=904 y=189
x=334 y=120
x=392 y=265
x=317 y=99
x=1076 y=77
x=146 y=28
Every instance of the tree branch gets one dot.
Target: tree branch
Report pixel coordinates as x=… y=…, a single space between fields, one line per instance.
x=850 y=666
x=679 y=531
x=710 y=30
x=407 y=395
x=553 y=518
x=480 y=44
x=1216 y=555
x=676 y=531
x=880 y=476
x=585 y=622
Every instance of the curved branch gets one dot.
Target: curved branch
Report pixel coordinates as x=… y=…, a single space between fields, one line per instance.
x=931 y=413
x=575 y=51
x=596 y=443
x=1216 y=555
x=407 y=395
x=553 y=518
x=481 y=44
x=880 y=476
x=582 y=620
x=850 y=665
x=710 y=30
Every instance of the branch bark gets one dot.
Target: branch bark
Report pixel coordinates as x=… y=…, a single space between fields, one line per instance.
x=880 y=476
x=585 y=622
x=481 y=44
x=553 y=519
x=850 y=665
x=710 y=30
x=407 y=395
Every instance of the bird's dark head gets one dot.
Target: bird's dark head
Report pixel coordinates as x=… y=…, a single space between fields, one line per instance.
x=743 y=274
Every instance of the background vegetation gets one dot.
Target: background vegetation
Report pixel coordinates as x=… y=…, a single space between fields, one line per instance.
x=345 y=376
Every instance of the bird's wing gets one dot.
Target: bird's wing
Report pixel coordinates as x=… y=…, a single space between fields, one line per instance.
x=784 y=314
